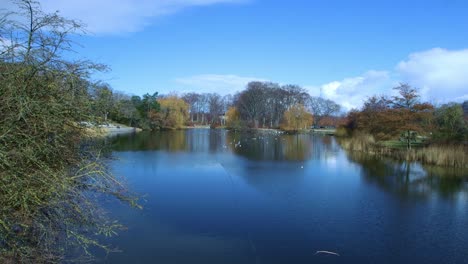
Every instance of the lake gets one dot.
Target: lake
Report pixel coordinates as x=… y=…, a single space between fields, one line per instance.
x=216 y=196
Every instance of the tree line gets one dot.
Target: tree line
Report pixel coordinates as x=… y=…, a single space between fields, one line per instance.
x=270 y=105
x=289 y=107
x=405 y=117
x=260 y=105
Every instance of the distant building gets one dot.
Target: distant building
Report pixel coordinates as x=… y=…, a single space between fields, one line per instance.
x=223 y=119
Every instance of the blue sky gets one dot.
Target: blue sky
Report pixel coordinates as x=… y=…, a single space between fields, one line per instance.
x=343 y=50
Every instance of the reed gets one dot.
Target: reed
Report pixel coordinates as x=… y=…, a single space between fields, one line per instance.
x=455 y=156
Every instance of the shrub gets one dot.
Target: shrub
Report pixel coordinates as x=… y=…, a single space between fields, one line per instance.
x=49 y=172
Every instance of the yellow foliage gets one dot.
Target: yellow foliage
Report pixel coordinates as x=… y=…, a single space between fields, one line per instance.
x=297 y=118
x=174 y=112
x=232 y=118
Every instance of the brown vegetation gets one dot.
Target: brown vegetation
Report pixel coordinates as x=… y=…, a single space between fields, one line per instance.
x=296 y=118
x=440 y=155
x=440 y=133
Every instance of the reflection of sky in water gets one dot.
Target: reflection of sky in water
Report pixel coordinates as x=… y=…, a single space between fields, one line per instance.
x=332 y=162
x=208 y=201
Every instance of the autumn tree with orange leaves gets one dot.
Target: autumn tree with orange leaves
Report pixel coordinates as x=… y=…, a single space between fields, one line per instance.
x=408 y=115
x=402 y=115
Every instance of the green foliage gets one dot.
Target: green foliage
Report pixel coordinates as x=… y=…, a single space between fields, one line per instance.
x=49 y=174
x=103 y=101
x=125 y=112
x=149 y=103
x=132 y=111
x=450 y=121
x=173 y=113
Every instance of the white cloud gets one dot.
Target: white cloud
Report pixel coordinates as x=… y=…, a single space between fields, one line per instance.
x=5 y=43
x=8 y=46
x=351 y=92
x=214 y=83
x=442 y=75
x=118 y=16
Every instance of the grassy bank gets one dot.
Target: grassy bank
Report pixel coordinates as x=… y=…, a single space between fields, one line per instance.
x=455 y=156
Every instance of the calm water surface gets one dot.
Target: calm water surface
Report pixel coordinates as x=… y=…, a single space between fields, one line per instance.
x=214 y=196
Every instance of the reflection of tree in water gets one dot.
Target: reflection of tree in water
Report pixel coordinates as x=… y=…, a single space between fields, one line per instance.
x=191 y=140
x=161 y=140
x=448 y=181
x=173 y=141
x=255 y=146
x=411 y=179
x=273 y=146
x=216 y=140
x=279 y=179
x=205 y=140
x=325 y=147
x=327 y=141
x=297 y=147
x=260 y=145
x=270 y=146
x=276 y=162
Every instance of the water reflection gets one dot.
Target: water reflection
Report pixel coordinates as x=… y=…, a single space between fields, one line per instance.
x=405 y=179
x=174 y=141
x=216 y=196
x=411 y=179
x=193 y=140
x=251 y=145
x=271 y=146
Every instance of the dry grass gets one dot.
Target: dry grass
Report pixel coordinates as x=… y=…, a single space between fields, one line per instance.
x=359 y=142
x=341 y=132
x=455 y=156
x=451 y=155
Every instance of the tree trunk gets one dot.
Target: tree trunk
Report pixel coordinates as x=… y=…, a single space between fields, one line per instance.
x=408 y=140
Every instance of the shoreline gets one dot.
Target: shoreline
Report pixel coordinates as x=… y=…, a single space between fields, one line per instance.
x=450 y=156
x=109 y=130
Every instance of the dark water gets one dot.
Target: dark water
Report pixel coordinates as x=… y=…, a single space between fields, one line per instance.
x=280 y=199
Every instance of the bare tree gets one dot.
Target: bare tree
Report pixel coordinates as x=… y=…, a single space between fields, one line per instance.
x=407 y=97
x=215 y=102
x=321 y=108
x=275 y=105
x=228 y=101
x=251 y=103
x=294 y=95
x=193 y=100
x=265 y=102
